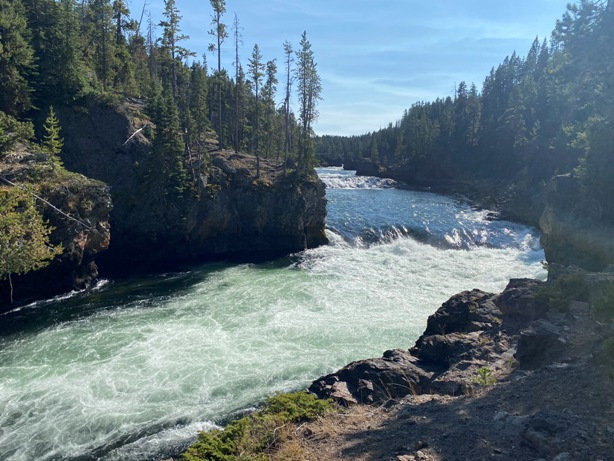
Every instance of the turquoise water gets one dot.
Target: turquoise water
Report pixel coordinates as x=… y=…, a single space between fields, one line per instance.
x=133 y=369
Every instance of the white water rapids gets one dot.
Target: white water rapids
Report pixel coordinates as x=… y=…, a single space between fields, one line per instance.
x=135 y=369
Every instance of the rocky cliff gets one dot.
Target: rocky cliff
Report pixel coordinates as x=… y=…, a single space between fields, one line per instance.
x=231 y=213
x=87 y=201
x=573 y=229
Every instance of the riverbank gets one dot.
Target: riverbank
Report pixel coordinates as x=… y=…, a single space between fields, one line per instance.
x=524 y=374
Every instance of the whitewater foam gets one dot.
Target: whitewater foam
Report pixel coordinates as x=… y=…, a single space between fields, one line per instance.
x=151 y=362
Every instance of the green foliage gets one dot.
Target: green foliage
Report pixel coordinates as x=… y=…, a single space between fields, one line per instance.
x=296 y=407
x=58 y=47
x=13 y=131
x=166 y=168
x=52 y=142
x=309 y=89
x=485 y=377
x=81 y=53
x=253 y=437
x=16 y=58
x=566 y=288
x=24 y=236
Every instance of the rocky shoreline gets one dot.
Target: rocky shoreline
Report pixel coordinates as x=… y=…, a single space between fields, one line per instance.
x=524 y=374
x=507 y=376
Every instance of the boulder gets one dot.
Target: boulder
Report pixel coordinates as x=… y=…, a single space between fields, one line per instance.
x=539 y=344
x=393 y=376
x=445 y=350
x=465 y=312
x=519 y=302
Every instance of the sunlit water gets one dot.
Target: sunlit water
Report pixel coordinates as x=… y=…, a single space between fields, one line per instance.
x=133 y=369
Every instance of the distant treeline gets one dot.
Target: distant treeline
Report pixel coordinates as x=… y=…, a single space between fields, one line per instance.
x=549 y=113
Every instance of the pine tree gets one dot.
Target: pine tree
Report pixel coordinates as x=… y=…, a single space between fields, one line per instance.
x=309 y=89
x=238 y=92
x=256 y=69
x=167 y=169
x=220 y=34
x=58 y=43
x=287 y=130
x=52 y=142
x=268 y=98
x=16 y=58
x=171 y=36
x=373 y=150
x=102 y=16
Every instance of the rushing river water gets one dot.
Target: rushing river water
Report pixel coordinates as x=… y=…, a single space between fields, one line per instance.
x=133 y=369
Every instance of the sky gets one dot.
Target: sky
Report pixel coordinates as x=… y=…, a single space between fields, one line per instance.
x=375 y=57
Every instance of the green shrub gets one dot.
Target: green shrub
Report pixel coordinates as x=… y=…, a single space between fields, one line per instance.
x=13 y=131
x=252 y=437
x=570 y=287
x=485 y=377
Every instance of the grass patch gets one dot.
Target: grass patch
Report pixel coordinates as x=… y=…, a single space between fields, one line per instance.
x=258 y=436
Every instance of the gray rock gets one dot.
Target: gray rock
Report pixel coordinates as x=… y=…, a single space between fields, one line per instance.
x=465 y=312
x=445 y=350
x=393 y=376
x=518 y=301
x=539 y=344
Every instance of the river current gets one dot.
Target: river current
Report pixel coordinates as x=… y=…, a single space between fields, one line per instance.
x=132 y=369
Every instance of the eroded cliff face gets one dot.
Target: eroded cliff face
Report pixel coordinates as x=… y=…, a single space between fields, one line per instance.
x=87 y=201
x=230 y=213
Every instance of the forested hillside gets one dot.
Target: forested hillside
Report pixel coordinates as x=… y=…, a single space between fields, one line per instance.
x=115 y=96
x=548 y=113
x=74 y=53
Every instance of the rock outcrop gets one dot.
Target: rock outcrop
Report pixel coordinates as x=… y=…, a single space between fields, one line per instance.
x=83 y=238
x=469 y=331
x=231 y=214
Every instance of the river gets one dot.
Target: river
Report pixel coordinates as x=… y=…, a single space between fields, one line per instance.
x=132 y=369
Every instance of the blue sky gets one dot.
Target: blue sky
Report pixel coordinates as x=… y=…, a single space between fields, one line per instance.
x=377 y=57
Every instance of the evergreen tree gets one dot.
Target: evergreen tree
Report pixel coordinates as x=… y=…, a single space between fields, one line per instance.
x=220 y=34
x=167 y=169
x=287 y=130
x=171 y=36
x=238 y=92
x=256 y=69
x=126 y=57
x=309 y=89
x=102 y=16
x=52 y=141
x=59 y=51
x=268 y=99
x=16 y=58
x=373 y=150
